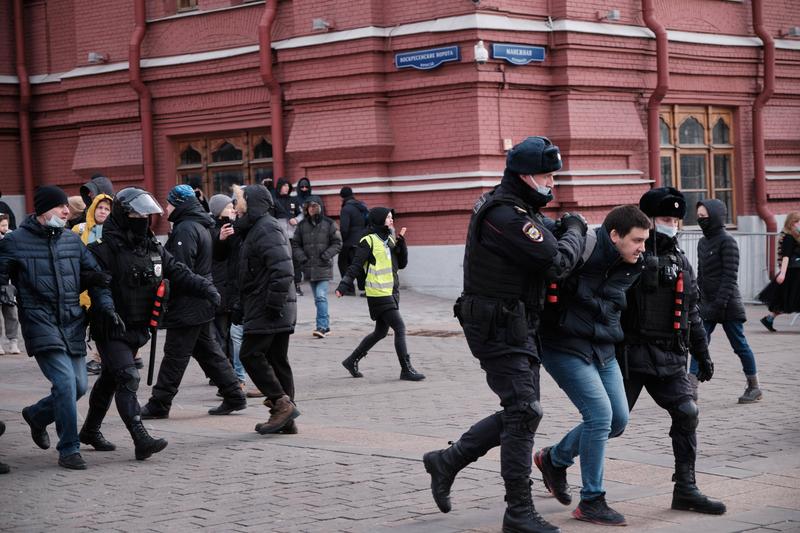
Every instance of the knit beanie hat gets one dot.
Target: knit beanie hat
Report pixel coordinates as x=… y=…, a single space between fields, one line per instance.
x=47 y=197
x=179 y=194
x=217 y=203
x=76 y=206
x=346 y=192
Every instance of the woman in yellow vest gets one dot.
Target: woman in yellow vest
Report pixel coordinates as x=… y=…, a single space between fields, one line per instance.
x=380 y=253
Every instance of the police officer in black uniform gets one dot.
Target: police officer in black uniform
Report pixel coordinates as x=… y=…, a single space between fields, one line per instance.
x=662 y=324
x=510 y=255
x=137 y=263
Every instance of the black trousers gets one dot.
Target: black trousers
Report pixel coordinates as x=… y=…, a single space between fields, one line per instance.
x=388 y=319
x=118 y=380
x=222 y=332
x=180 y=346
x=345 y=259
x=514 y=378
x=669 y=393
x=266 y=360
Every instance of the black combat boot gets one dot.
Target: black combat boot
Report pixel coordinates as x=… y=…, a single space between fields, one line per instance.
x=554 y=478
x=407 y=371
x=687 y=497
x=521 y=515
x=443 y=465
x=90 y=432
x=234 y=400
x=351 y=363
x=145 y=444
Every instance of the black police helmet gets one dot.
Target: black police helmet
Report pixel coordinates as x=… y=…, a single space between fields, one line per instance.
x=133 y=200
x=663 y=202
x=534 y=155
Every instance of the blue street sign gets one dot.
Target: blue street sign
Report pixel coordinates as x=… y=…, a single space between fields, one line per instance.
x=518 y=54
x=427 y=59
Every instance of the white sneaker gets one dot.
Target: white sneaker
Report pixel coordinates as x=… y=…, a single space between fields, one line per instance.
x=2 y=351
x=13 y=346
x=318 y=334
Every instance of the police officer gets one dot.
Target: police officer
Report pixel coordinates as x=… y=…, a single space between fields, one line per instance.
x=511 y=253
x=137 y=263
x=662 y=324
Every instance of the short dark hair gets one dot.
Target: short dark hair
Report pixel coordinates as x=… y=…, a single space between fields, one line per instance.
x=624 y=218
x=4 y=216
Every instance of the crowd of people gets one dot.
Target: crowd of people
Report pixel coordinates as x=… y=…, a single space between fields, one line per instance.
x=608 y=312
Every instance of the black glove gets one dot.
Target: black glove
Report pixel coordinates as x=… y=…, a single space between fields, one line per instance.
x=94 y=278
x=705 y=370
x=574 y=221
x=113 y=326
x=7 y=295
x=213 y=296
x=237 y=315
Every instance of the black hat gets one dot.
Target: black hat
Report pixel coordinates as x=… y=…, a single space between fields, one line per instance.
x=534 y=155
x=663 y=202
x=346 y=192
x=47 y=197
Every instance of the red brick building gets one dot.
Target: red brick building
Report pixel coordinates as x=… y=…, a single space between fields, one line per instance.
x=150 y=92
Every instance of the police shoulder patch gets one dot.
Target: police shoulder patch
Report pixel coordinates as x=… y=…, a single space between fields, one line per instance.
x=532 y=232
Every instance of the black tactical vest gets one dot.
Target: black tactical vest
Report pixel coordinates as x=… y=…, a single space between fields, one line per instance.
x=658 y=311
x=136 y=279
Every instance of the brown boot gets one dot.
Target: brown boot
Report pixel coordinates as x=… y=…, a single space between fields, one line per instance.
x=289 y=429
x=282 y=412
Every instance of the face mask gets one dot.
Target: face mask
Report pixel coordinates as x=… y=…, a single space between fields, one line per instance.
x=669 y=231
x=704 y=223
x=55 y=222
x=138 y=225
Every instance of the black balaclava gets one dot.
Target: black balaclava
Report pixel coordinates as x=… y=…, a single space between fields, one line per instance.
x=377 y=221
x=715 y=221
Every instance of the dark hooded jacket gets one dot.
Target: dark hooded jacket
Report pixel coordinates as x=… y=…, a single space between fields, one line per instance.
x=45 y=264
x=95 y=186
x=223 y=252
x=5 y=208
x=303 y=197
x=718 y=268
x=315 y=243
x=286 y=205
x=352 y=221
x=190 y=243
x=266 y=274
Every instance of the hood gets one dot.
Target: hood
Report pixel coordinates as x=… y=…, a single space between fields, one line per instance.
x=90 y=221
x=191 y=209
x=95 y=186
x=304 y=182
x=259 y=201
x=280 y=184
x=377 y=218
x=717 y=213
x=317 y=200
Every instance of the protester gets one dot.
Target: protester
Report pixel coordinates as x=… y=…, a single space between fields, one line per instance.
x=316 y=242
x=353 y=225
x=287 y=210
x=77 y=211
x=48 y=264
x=718 y=285
x=268 y=308
x=96 y=185
x=5 y=209
x=782 y=294
x=8 y=302
x=662 y=325
x=189 y=315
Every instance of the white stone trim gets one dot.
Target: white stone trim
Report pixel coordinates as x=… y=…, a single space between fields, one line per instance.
x=388 y=189
x=419 y=177
x=606 y=172
x=773 y=177
x=772 y=170
x=589 y=183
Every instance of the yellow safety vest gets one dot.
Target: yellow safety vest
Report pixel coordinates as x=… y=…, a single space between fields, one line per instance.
x=380 y=278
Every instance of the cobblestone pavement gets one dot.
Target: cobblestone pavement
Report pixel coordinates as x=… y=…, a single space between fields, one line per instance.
x=356 y=463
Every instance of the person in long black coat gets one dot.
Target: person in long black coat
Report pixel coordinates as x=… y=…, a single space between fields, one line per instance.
x=720 y=301
x=353 y=225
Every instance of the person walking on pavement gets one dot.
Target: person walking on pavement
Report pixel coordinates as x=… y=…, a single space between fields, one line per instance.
x=189 y=315
x=782 y=294
x=353 y=225
x=719 y=298
x=578 y=340
x=268 y=308
x=49 y=267
x=511 y=253
x=662 y=324
x=382 y=252
x=287 y=211
x=316 y=242
x=137 y=263
x=8 y=302
x=4 y=468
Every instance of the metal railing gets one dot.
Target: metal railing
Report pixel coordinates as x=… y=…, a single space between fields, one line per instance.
x=753 y=260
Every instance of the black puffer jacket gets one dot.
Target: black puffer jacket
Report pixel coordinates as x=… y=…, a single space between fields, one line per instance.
x=266 y=275
x=190 y=243
x=591 y=301
x=315 y=243
x=718 y=268
x=220 y=267
x=352 y=221
x=45 y=264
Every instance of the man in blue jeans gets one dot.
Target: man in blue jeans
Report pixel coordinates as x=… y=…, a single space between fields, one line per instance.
x=578 y=351
x=50 y=267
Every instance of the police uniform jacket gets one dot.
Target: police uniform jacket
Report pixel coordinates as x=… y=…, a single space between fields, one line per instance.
x=587 y=320
x=45 y=264
x=654 y=355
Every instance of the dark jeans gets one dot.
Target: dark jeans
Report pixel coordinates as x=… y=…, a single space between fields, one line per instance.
x=387 y=319
x=669 y=393
x=735 y=333
x=514 y=379
x=266 y=359
x=119 y=379
x=182 y=344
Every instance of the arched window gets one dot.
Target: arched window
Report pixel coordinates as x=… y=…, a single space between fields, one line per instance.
x=190 y=156
x=226 y=152
x=691 y=132
x=263 y=150
x=663 y=128
x=721 y=133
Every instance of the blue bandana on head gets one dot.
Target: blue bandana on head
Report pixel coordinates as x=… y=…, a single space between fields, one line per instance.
x=179 y=194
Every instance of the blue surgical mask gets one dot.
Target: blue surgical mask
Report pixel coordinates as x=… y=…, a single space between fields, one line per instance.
x=669 y=231
x=55 y=222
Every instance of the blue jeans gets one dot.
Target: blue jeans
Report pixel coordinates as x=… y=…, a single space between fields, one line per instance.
x=237 y=332
x=320 y=289
x=69 y=379
x=735 y=333
x=599 y=394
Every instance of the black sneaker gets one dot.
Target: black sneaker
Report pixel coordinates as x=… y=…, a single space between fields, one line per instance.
x=93 y=367
x=151 y=412
x=38 y=433
x=73 y=462
x=598 y=512
x=768 y=322
x=554 y=478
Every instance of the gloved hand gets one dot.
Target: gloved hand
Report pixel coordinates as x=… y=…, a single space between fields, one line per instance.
x=574 y=221
x=7 y=295
x=237 y=315
x=212 y=295
x=94 y=278
x=705 y=369
x=113 y=324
